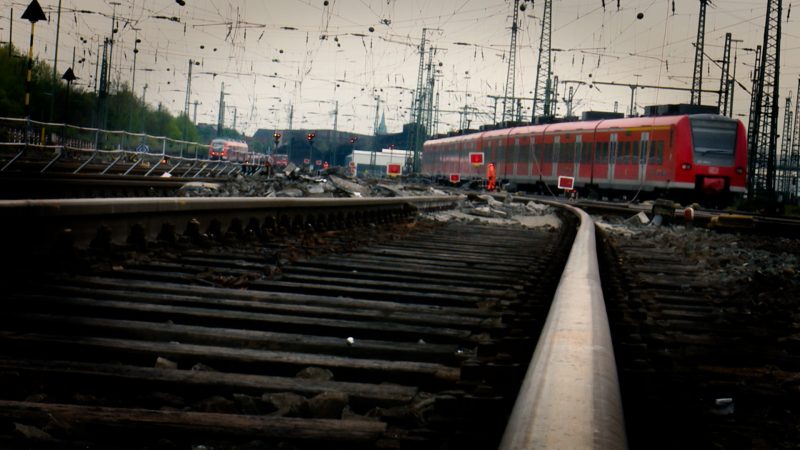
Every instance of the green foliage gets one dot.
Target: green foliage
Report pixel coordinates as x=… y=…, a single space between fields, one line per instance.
x=79 y=106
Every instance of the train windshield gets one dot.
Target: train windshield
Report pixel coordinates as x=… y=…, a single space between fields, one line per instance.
x=714 y=140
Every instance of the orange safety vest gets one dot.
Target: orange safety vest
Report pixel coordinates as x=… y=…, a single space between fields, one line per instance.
x=491 y=178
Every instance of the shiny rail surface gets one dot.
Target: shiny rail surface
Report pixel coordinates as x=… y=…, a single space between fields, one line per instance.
x=570 y=396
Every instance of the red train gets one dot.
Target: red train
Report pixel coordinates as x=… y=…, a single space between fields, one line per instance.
x=695 y=157
x=228 y=150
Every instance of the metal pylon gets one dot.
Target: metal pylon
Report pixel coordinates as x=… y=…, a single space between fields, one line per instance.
x=786 y=149
x=697 y=77
x=541 y=93
x=763 y=143
x=724 y=85
x=793 y=164
x=508 y=98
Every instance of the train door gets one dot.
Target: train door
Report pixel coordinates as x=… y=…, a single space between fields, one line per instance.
x=576 y=157
x=612 y=158
x=585 y=156
x=514 y=155
x=500 y=164
x=492 y=154
x=508 y=157
x=556 y=156
x=537 y=156
x=644 y=146
x=523 y=168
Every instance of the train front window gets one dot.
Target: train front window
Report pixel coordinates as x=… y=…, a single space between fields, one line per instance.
x=714 y=140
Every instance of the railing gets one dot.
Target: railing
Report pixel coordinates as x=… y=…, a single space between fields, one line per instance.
x=107 y=151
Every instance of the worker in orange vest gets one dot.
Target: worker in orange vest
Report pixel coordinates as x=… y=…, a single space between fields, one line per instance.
x=491 y=177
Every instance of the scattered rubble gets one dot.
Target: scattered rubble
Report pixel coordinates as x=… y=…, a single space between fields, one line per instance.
x=294 y=182
x=485 y=208
x=765 y=270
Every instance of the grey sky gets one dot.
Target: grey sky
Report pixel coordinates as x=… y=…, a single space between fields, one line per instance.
x=271 y=54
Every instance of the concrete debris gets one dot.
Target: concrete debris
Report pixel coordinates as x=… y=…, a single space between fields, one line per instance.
x=32 y=432
x=763 y=269
x=486 y=208
x=287 y=404
x=315 y=373
x=296 y=182
x=198 y=187
x=328 y=405
x=639 y=219
x=164 y=363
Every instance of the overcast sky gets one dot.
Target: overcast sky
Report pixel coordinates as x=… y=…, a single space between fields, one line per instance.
x=270 y=54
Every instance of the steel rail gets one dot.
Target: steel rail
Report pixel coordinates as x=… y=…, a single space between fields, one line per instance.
x=28 y=224
x=570 y=395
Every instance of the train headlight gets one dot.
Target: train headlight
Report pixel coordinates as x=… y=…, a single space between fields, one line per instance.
x=686 y=166
x=739 y=170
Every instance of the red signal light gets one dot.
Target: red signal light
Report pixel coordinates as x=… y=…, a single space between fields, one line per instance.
x=311 y=136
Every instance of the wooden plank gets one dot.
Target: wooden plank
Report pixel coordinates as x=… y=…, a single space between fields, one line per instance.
x=368 y=293
x=340 y=310
x=232 y=337
x=160 y=273
x=383 y=393
x=204 y=353
x=280 y=322
x=268 y=297
x=409 y=285
x=409 y=276
x=409 y=269
x=205 y=424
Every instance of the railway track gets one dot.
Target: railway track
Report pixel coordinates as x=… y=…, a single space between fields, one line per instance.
x=705 y=361
x=315 y=327
x=22 y=185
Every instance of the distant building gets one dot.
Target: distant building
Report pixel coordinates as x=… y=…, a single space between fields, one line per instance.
x=331 y=146
x=376 y=163
x=382 y=126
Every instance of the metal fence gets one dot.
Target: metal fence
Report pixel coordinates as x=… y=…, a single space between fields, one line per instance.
x=51 y=147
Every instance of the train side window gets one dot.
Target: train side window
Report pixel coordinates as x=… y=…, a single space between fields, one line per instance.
x=523 y=153
x=606 y=152
x=566 y=152
x=659 y=152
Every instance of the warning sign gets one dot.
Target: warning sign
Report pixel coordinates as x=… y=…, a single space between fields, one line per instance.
x=455 y=178
x=393 y=169
x=566 y=183
x=476 y=159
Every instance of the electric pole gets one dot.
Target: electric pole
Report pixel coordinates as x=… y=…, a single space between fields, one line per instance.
x=221 y=113
x=541 y=93
x=764 y=118
x=786 y=148
x=508 y=109
x=724 y=79
x=697 y=77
